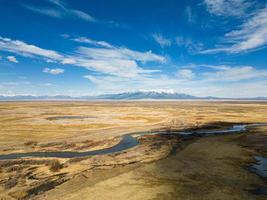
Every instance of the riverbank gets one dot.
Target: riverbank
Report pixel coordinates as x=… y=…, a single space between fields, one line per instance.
x=214 y=167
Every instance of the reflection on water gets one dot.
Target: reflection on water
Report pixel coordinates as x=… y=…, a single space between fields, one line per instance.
x=127 y=142
x=260 y=167
x=234 y=129
x=258 y=190
x=68 y=117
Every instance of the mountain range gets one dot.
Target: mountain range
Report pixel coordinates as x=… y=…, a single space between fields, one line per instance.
x=153 y=95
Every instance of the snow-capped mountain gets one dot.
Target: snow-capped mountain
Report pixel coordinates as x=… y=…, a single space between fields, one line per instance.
x=122 y=96
x=147 y=95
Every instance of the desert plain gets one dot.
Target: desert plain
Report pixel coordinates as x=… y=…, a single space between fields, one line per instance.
x=162 y=166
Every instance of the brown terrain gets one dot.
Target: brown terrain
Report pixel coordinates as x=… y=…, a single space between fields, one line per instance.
x=161 y=166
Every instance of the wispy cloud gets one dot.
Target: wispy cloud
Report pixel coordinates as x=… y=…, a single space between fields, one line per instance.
x=119 y=61
x=115 y=84
x=189 y=15
x=54 y=71
x=12 y=59
x=221 y=80
x=251 y=35
x=22 y=48
x=119 y=53
x=60 y=11
x=186 y=74
x=46 y=84
x=162 y=41
x=69 y=61
x=45 y=11
x=82 y=15
x=228 y=73
x=116 y=61
x=228 y=8
x=187 y=43
x=15 y=83
x=110 y=59
x=92 y=42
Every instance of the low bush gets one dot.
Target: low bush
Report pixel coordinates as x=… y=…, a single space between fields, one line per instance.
x=55 y=165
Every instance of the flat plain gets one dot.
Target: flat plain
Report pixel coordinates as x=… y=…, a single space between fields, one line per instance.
x=159 y=167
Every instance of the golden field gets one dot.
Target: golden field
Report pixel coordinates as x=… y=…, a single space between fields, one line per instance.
x=143 y=172
x=40 y=121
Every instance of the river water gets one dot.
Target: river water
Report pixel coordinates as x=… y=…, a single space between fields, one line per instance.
x=127 y=142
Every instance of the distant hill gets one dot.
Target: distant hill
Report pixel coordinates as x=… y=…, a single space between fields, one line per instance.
x=147 y=95
x=153 y=95
x=31 y=97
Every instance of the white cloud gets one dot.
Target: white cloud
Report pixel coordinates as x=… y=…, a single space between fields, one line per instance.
x=221 y=81
x=227 y=73
x=45 y=11
x=54 y=71
x=235 y=8
x=186 y=74
x=181 y=41
x=13 y=83
x=50 y=61
x=189 y=15
x=251 y=35
x=93 y=42
x=61 y=11
x=68 y=61
x=163 y=42
x=12 y=59
x=189 y=44
x=116 y=67
x=118 y=61
x=46 y=84
x=82 y=15
x=21 y=48
x=65 y=35
x=235 y=90
x=114 y=84
x=119 y=53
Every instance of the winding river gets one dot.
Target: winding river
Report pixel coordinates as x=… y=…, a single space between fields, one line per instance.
x=128 y=141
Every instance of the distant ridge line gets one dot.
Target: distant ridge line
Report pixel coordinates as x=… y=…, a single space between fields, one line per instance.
x=152 y=95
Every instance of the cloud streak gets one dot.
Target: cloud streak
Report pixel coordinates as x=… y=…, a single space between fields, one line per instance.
x=61 y=11
x=162 y=41
x=186 y=74
x=54 y=71
x=228 y=8
x=251 y=35
x=221 y=81
x=187 y=43
x=22 y=48
x=12 y=59
x=234 y=74
x=93 y=42
x=108 y=59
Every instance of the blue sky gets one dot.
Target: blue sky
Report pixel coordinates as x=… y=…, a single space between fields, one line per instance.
x=77 y=48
